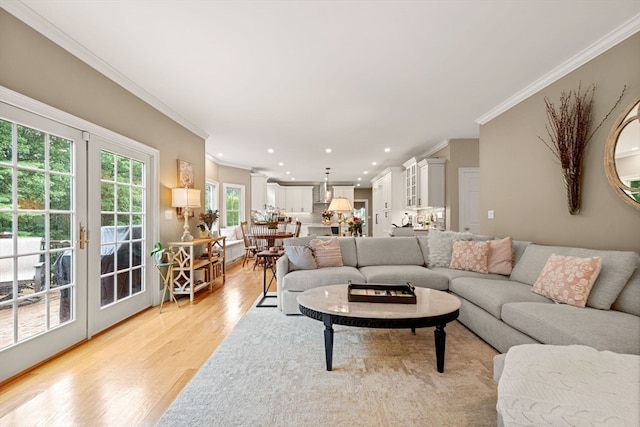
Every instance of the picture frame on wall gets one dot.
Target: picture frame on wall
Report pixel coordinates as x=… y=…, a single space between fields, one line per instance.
x=185 y=174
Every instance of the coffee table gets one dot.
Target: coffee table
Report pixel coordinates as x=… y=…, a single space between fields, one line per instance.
x=330 y=305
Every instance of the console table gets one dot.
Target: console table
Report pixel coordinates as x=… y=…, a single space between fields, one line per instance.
x=186 y=261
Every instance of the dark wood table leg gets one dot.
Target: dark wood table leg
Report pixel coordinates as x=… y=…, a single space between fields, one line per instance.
x=328 y=339
x=440 y=338
x=264 y=276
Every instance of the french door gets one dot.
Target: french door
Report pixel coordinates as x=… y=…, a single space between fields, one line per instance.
x=73 y=236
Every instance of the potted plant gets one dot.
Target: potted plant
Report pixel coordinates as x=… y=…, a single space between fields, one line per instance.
x=206 y=222
x=158 y=253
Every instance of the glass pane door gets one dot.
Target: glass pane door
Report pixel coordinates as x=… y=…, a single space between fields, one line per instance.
x=118 y=222
x=42 y=269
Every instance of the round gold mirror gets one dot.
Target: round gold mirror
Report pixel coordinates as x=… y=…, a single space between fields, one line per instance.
x=622 y=155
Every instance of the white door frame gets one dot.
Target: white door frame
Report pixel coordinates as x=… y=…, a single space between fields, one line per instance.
x=153 y=219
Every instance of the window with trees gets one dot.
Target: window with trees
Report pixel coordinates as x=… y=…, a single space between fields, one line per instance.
x=211 y=196
x=233 y=204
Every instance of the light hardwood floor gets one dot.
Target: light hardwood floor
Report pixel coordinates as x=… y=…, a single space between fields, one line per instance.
x=130 y=374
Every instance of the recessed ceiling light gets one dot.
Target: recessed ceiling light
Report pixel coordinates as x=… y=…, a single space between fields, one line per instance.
x=386 y=150
x=293 y=179
x=280 y=164
x=270 y=151
x=359 y=179
x=219 y=154
x=287 y=172
x=365 y=172
x=358 y=185
x=374 y=163
x=328 y=150
x=635 y=148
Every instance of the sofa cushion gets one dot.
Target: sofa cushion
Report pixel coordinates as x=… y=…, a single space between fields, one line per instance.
x=423 y=242
x=518 y=246
x=629 y=299
x=500 y=260
x=401 y=274
x=568 y=279
x=562 y=324
x=440 y=246
x=299 y=241
x=452 y=274
x=388 y=251
x=300 y=258
x=327 y=253
x=546 y=385
x=617 y=268
x=348 y=250
x=301 y=280
x=491 y=295
x=470 y=256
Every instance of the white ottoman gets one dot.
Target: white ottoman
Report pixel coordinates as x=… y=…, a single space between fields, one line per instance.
x=545 y=385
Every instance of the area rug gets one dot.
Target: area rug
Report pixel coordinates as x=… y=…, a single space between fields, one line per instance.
x=270 y=371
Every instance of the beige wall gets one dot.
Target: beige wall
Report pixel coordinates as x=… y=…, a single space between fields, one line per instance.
x=521 y=180
x=32 y=65
x=460 y=153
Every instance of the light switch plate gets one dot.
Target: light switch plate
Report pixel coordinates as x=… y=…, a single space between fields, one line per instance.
x=490 y=214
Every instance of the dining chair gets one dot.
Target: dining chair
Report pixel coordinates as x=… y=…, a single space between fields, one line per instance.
x=250 y=249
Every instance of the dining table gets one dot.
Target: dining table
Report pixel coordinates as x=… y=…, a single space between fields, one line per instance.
x=271 y=237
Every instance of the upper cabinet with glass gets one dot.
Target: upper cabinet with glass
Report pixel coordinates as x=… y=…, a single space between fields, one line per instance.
x=622 y=155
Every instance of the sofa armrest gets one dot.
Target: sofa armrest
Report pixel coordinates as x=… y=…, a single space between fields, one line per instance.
x=282 y=268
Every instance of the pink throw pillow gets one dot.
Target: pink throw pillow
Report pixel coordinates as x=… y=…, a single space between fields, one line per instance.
x=471 y=256
x=327 y=252
x=568 y=279
x=500 y=259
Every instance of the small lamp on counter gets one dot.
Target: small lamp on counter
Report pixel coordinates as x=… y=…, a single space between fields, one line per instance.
x=340 y=205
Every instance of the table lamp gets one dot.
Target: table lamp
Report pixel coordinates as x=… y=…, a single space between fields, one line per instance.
x=185 y=199
x=340 y=205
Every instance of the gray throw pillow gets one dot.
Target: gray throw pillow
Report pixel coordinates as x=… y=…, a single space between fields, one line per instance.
x=300 y=258
x=440 y=246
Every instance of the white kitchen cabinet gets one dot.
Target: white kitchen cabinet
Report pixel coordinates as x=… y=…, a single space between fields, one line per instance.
x=432 y=177
x=298 y=199
x=258 y=191
x=344 y=191
x=388 y=200
x=411 y=179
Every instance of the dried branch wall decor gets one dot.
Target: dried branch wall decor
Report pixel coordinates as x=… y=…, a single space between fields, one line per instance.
x=569 y=134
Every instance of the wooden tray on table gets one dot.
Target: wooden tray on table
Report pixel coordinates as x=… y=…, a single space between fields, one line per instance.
x=381 y=293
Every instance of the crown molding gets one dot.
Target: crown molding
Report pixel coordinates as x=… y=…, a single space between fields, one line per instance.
x=435 y=149
x=27 y=15
x=616 y=36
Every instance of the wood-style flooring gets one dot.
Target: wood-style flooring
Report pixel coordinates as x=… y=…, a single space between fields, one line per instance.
x=130 y=374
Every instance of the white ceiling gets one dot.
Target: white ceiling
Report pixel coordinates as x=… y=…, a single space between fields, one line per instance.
x=354 y=76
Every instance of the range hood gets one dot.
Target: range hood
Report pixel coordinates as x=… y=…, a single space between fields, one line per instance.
x=319 y=194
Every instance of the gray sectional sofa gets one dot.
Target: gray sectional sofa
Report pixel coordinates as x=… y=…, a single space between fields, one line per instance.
x=500 y=309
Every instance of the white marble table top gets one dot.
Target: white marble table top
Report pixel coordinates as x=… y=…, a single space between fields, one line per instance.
x=333 y=299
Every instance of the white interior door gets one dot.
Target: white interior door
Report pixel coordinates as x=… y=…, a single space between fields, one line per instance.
x=469 y=199
x=43 y=268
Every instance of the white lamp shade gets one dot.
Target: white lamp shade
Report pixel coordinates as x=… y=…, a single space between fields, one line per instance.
x=185 y=198
x=340 y=204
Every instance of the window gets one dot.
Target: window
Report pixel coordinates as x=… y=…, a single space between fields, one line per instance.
x=211 y=196
x=233 y=205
